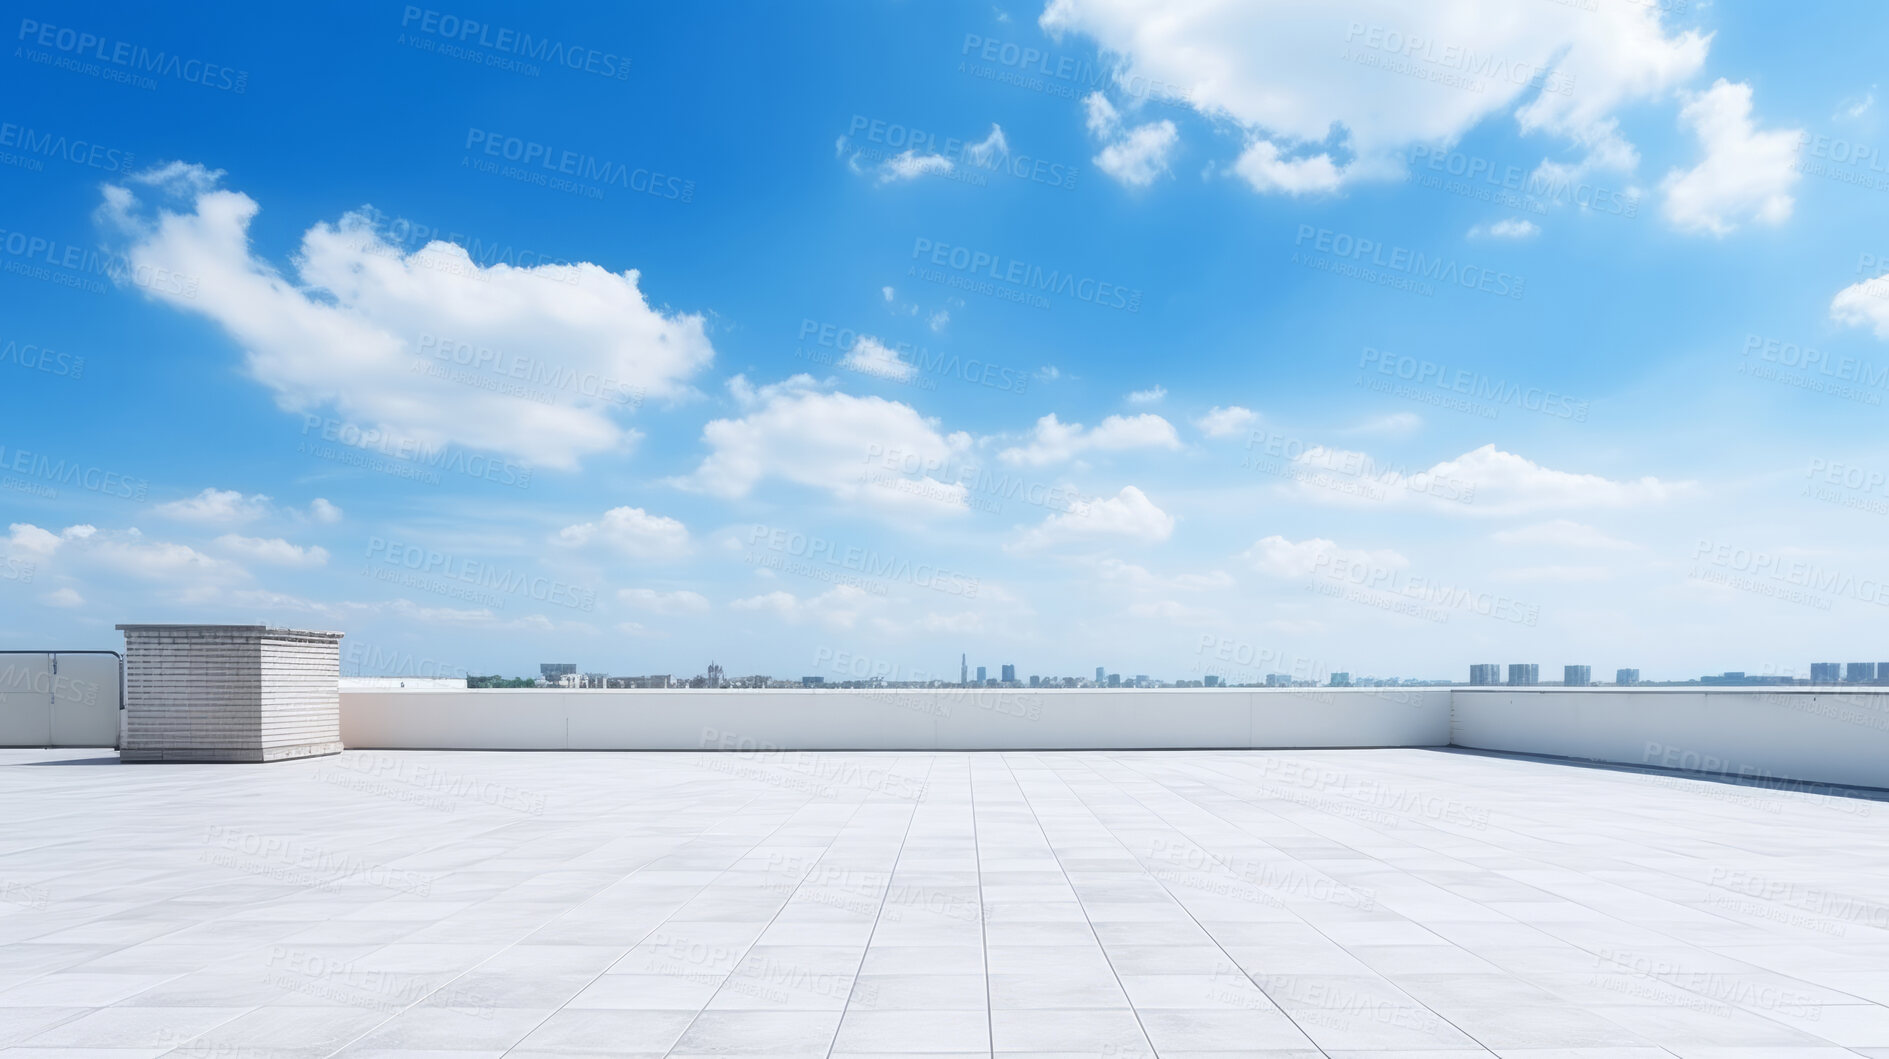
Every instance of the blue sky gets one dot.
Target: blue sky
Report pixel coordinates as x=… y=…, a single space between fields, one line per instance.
x=1373 y=341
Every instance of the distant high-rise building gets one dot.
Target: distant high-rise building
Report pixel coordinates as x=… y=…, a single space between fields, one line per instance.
x=964 y=670
x=1626 y=676
x=1341 y=680
x=1114 y=680
x=1278 y=680
x=1826 y=672
x=812 y=682
x=1485 y=674
x=1100 y=678
x=1142 y=680
x=714 y=677
x=1577 y=676
x=1010 y=674
x=1036 y=681
x=1882 y=672
x=1522 y=674
x=596 y=680
x=980 y=675
x=557 y=674
x=1859 y=672
x=1211 y=681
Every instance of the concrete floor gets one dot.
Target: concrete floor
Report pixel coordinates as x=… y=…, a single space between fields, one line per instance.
x=1361 y=903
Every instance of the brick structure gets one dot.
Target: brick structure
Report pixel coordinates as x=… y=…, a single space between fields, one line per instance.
x=230 y=693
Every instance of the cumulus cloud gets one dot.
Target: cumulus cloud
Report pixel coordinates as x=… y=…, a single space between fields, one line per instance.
x=1746 y=174
x=681 y=601
x=631 y=531
x=272 y=550
x=1322 y=97
x=160 y=560
x=217 y=507
x=910 y=165
x=322 y=511
x=1507 y=228
x=860 y=450
x=1485 y=481
x=1229 y=422
x=63 y=597
x=1054 y=441
x=399 y=342
x=1278 y=556
x=29 y=541
x=873 y=357
x=1151 y=395
x=1265 y=168
x=1863 y=304
x=839 y=607
x=1128 y=515
x=1134 y=156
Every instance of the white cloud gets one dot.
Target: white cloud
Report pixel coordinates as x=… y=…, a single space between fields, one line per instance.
x=322 y=511
x=1563 y=534
x=1509 y=484
x=1263 y=166
x=1745 y=174
x=1053 y=441
x=860 y=450
x=1128 y=515
x=992 y=148
x=873 y=357
x=888 y=293
x=1485 y=481
x=1507 y=228
x=1151 y=395
x=910 y=165
x=681 y=601
x=63 y=597
x=840 y=607
x=1318 y=94
x=1118 y=571
x=633 y=532
x=940 y=320
x=1133 y=156
x=273 y=550
x=1863 y=304
x=1229 y=422
x=1856 y=106
x=160 y=560
x=1280 y=557
x=217 y=507
x=356 y=330
x=26 y=539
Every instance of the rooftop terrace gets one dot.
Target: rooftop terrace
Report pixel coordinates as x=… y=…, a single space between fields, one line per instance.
x=1356 y=903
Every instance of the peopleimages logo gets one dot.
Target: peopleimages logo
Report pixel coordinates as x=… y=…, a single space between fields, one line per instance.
x=510 y=42
x=1372 y=254
x=579 y=166
x=135 y=58
x=427 y=562
x=1472 y=384
x=1021 y=274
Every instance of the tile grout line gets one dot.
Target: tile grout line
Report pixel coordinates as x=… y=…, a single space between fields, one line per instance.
x=890 y=873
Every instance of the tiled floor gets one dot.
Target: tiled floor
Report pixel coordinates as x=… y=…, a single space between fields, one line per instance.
x=1366 y=903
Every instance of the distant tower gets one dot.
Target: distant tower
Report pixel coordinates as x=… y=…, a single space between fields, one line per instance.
x=714 y=675
x=964 y=670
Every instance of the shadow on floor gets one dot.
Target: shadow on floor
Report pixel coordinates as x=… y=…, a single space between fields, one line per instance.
x=1769 y=783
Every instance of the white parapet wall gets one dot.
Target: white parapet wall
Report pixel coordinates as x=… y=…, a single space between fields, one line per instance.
x=1817 y=735
x=930 y=719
